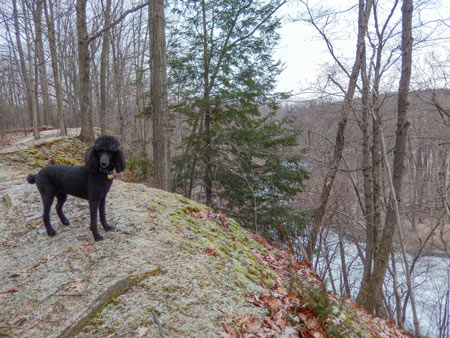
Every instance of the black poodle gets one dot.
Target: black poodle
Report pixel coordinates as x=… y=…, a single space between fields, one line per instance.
x=90 y=181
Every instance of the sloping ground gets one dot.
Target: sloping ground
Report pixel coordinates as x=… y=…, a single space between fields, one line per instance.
x=172 y=268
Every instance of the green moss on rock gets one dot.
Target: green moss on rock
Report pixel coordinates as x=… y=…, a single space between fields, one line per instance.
x=228 y=243
x=65 y=150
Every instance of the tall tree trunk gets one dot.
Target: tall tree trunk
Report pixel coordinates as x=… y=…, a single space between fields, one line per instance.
x=31 y=100
x=87 y=123
x=207 y=111
x=49 y=18
x=104 y=67
x=367 y=172
x=363 y=18
x=370 y=291
x=37 y=18
x=161 y=148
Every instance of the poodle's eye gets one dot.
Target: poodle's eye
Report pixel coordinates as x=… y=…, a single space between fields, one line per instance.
x=103 y=150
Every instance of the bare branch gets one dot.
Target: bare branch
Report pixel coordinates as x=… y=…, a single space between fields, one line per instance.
x=115 y=22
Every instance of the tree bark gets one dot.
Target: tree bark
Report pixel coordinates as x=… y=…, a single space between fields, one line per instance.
x=31 y=100
x=367 y=171
x=396 y=207
x=104 y=67
x=363 y=18
x=37 y=18
x=49 y=18
x=370 y=290
x=161 y=148
x=87 y=122
x=207 y=111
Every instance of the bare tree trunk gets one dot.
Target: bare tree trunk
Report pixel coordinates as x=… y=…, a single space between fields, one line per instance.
x=161 y=148
x=207 y=111
x=344 y=265
x=397 y=295
x=49 y=18
x=396 y=208
x=37 y=18
x=103 y=68
x=31 y=100
x=370 y=290
x=87 y=122
x=363 y=18
x=367 y=172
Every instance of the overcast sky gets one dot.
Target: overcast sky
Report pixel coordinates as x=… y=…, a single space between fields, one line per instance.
x=303 y=51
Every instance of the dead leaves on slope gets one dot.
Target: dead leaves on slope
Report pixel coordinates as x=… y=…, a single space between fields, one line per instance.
x=288 y=317
x=293 y=313
x=208 y=216
x=289 y=314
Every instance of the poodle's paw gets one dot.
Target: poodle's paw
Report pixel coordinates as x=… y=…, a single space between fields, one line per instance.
x=98 y=237
x=65 y=221
x=51 y=232
x=107 y=227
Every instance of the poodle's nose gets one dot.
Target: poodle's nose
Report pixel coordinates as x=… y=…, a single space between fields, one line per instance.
x=104 y=159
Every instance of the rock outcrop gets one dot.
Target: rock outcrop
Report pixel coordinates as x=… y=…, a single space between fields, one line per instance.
x=171 y=268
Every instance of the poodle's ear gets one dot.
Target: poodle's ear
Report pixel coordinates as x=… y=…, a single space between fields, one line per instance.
x=119 y=161
x=91 y=159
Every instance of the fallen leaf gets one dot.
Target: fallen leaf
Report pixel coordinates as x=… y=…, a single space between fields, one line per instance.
x=32 y=325
x=17 y=321
x=273 y=325
x=210 y=250
x=75 y=285
x=141 y=331
x=48 y=257
x=281 y=290
x=281 y=322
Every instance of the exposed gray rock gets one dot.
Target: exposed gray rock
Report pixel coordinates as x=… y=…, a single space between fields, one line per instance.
x=151 y=277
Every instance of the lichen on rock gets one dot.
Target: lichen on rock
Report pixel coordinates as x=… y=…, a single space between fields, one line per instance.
x=200 y=269
x=172 y=267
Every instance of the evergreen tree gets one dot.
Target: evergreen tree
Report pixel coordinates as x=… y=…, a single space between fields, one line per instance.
x=223 y=75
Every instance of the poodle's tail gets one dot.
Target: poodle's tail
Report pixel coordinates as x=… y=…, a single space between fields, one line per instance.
x=31 y=178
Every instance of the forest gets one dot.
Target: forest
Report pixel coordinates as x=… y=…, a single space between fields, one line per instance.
x=350 y=169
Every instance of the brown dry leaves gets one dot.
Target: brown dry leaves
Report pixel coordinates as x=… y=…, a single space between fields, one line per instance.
x=289 y=316
x=208 y=216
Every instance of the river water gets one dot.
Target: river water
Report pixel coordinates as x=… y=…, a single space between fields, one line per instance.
x=430 y=278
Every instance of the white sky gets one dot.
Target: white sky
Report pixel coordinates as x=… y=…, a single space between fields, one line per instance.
x=303 y=51
x=301 y=54
x=300 y=49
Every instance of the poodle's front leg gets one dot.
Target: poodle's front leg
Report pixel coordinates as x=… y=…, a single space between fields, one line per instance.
x=93 y=206
x=101 y=210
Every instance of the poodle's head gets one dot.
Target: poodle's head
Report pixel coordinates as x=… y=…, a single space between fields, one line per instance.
x=105 y=155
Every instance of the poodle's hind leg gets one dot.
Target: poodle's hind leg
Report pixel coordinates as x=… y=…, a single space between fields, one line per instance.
x=47 y=201
x=61 y=199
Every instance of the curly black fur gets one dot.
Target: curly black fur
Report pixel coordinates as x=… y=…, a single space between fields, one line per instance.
x=90 y=181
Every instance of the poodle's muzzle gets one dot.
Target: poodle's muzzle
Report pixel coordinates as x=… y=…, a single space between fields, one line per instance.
x=105 y=158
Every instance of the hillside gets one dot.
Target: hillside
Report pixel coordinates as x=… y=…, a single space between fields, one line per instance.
x=172 y=268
